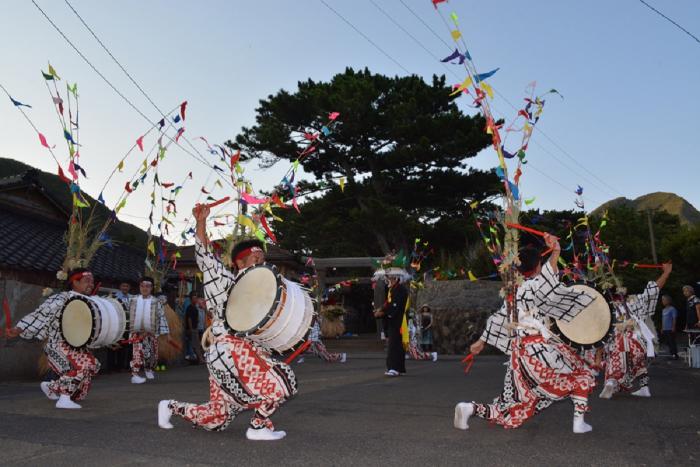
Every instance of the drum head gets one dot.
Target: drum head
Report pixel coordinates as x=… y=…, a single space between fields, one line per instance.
x=76 y=323
x=252 y=298
x=592 y=325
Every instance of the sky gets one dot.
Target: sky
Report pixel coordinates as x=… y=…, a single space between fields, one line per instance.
x=627 y=124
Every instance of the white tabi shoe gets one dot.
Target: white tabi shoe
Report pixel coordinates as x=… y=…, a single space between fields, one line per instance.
x=642 y=392
x=391 y=373
x=149 y=374
x=463 y=411
x=164 y=415
x=608 y=390
x=64 y=402
x=434 y=355
x=580 y=426
x=343 y=357
x=300 y=360
x=45 y=388
x=264 y=434
x=136 y=379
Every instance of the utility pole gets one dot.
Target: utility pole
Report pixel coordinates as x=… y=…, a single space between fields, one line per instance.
x=651 y=237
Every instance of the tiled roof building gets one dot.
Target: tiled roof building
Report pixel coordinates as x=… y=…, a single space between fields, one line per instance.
x=32 y=229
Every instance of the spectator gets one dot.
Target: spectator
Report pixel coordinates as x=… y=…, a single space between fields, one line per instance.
x=201 y=326
x=426 y=319
x=191 y=327
x=393 y=313
x=692 y=317
x=124 y=292
x=669 y=318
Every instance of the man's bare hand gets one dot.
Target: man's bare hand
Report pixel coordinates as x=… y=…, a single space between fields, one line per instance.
x=477 y=347
x=552 y=242
x=13 y=332
x=667 y=267
x=201 y=212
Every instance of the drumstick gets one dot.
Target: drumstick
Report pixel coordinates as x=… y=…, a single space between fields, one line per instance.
x=297 y=352
x=216 y=203
x=648 y=266
x=468 y=361
x=527 y=229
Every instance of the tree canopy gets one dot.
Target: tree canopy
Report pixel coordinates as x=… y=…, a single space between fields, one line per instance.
x=400 y=147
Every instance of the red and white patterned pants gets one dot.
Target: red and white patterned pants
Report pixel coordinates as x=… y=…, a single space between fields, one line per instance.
x=241 y=376
x=145 y=352
x=416 y=353
x=75 y=368
x=626 y=361
x=539 y=373
x=319 y=349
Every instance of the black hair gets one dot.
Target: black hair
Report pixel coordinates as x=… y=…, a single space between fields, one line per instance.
x=192 y=294
x=244 y=245
x=71 y=273
x=530 y=257
x=147 y=279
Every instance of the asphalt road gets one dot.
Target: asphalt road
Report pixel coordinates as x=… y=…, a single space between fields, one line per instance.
x=350 y=414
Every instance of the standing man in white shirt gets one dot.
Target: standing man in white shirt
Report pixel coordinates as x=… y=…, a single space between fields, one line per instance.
x=147 y=319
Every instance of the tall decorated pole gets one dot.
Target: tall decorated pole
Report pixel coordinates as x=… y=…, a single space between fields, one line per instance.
x=476 y=86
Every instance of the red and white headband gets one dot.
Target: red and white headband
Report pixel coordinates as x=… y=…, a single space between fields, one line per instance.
x=79 y=275
x=247 y=252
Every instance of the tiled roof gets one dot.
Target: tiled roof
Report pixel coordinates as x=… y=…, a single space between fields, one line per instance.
x=32 y=244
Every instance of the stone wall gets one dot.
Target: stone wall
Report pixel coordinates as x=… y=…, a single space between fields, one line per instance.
x=460 y=310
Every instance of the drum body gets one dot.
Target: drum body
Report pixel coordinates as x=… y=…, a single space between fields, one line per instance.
x=592 y=326
x=93 y=322
x=266 y=308
x=143 y=319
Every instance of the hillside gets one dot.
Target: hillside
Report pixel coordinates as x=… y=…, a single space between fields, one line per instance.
x=121 y=231
x=669 y=202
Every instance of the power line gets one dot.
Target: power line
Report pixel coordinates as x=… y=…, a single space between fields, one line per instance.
x=430 y=53
x=145 y=94
x=365 y=37
x=131 y=78
x=408 y=33
x=670 y=21
x=131 y=104
x=605 y=185
x=567 y=167
x=109 y=83
x=419 y=43
x=114 y=58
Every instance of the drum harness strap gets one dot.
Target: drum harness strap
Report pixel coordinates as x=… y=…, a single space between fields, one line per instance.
x=636 y=324
x=530 y=324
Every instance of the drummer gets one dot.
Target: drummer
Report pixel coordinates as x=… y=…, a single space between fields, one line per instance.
x=541 y=369
x=632 y=343
x=74 y=367
x=242 y=375
x=145 y=341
